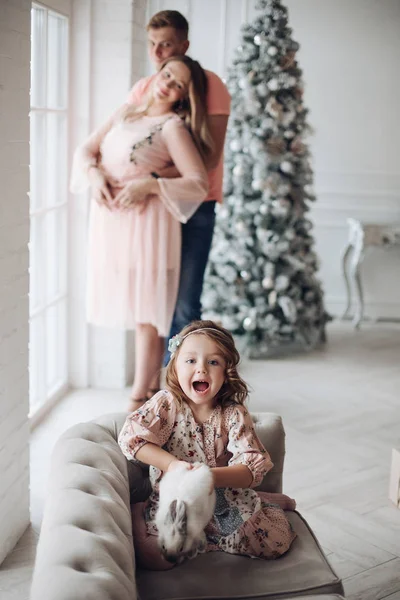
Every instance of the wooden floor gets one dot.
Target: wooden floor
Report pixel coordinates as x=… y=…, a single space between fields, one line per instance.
x=341 y=410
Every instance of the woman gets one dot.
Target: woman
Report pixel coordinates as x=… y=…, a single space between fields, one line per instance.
x=134 y=233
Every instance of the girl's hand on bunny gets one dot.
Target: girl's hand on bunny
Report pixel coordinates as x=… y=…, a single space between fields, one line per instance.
x=99 y=186
x=135 y=193
x=179 y=464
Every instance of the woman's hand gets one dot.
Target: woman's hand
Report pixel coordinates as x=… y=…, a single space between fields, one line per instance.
x=99 y=185
x=135 y=193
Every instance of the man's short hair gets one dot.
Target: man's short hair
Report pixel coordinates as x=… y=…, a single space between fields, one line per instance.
x=170 y=18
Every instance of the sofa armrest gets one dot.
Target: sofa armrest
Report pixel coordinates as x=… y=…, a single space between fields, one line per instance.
x=85 y=548
x=269 y=428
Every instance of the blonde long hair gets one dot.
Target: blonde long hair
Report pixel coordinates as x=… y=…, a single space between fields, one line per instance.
x=234 y=390
x=192 y=109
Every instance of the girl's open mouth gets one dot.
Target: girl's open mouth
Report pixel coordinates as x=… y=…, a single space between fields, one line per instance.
x=200 y=387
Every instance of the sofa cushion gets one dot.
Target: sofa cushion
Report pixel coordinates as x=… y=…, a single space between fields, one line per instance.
x=303 y=570
x=323 y=597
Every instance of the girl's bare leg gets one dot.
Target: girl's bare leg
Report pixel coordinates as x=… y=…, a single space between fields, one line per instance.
x=147 y=552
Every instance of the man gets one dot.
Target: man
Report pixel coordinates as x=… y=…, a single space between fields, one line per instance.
x=167 y=33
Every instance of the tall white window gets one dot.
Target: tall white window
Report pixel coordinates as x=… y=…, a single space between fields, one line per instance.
x=48 y=206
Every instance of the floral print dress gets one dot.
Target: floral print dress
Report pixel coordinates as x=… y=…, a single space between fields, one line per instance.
x=243 y=522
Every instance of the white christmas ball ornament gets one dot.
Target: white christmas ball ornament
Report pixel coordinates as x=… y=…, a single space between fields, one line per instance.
x=289 y=134
x=272 y=50
x=235 y=146
x=281 y=283
x=249 y=323
x=257 y=39
x=273 y=85
x=238 y=170
x=286 y=167
x=245 y=275
x=223 y=212
x=262 y=89
x=267 y=283
x=263 y=209
x=309 y=190
x=257 y=184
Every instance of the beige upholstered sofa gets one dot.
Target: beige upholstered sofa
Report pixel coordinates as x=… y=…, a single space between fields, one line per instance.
x=85 y=549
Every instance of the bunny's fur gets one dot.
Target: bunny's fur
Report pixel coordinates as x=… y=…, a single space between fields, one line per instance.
x=186 y=506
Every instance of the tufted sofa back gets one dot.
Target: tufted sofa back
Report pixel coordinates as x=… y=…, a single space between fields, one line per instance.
x=85 y=549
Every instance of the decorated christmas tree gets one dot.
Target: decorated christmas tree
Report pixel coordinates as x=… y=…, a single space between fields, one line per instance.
x=261 y=278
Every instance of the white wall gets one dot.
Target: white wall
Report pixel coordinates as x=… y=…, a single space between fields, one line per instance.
x=350 y=54
x=14 y=284
x=107 y=56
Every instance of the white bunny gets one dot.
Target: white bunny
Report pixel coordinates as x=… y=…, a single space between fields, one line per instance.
x=186 y=506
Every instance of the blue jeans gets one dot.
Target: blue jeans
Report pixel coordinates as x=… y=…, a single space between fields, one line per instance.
x=197 y=236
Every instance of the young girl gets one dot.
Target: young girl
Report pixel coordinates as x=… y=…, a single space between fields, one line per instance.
x=201 y=418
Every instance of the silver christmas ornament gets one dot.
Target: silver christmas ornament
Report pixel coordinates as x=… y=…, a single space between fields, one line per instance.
x=281 y=283
x=257 y=184
x=238 y=170
x=272 y=297
x=289 y=134
x=240 y=226
x=309 y=190
x=272 y=50
x=223 y=212
x=235 y=146
x=262 y=89
x=268 y=283
x=249 y=324
x=273 y=85
x=286 y=166
x=288 y=308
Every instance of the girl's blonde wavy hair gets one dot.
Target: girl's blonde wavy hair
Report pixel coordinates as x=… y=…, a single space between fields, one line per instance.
x=234 y=390
x=192 y=109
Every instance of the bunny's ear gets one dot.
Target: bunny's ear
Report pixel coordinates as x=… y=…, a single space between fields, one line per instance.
x=171 y=515
x=181 y=517
x=177 y=514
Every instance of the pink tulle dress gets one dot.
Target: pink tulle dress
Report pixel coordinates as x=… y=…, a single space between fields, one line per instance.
x=134 y=256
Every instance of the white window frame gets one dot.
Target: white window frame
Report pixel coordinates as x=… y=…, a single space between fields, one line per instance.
x=48 y=361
